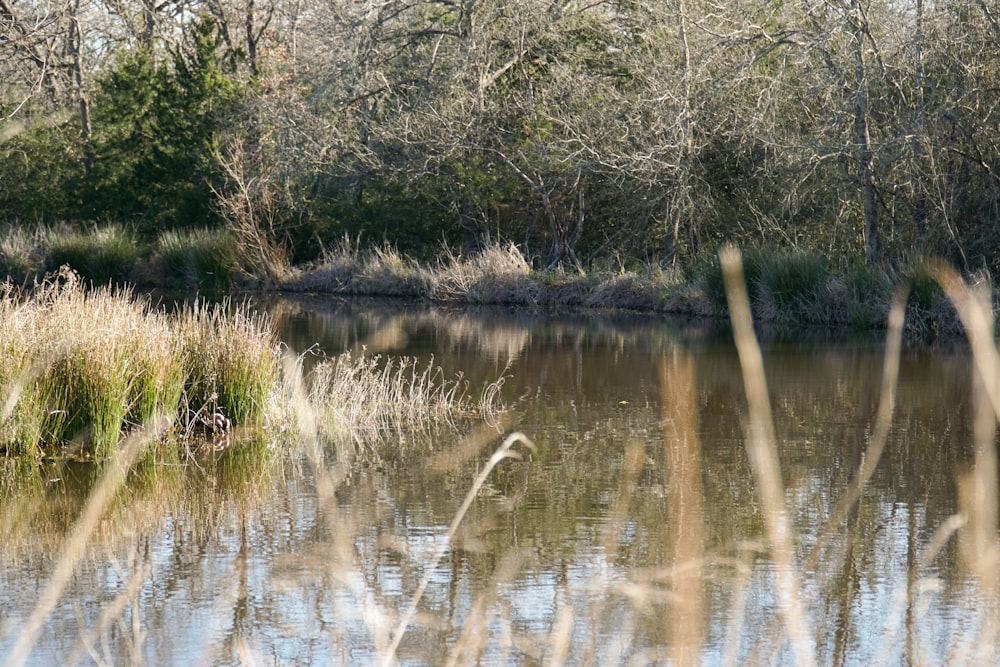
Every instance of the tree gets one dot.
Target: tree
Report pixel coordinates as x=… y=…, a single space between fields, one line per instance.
x=157 y=126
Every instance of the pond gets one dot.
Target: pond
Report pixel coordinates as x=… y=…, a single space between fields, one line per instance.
x=633 y=532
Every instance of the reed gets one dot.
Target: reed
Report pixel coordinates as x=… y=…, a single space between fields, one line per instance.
x=364 y=402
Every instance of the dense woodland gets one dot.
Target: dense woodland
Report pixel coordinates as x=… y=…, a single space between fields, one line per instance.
x=863 y=130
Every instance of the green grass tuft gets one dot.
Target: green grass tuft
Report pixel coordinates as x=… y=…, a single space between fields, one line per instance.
x=102 y=255
x=230 y=360
x=196 y=258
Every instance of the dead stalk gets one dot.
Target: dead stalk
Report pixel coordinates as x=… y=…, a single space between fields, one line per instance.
x=763 y=457
x=504 y=451
x=75 y=546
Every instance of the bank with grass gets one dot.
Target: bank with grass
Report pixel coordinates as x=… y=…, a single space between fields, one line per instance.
x=787 y=286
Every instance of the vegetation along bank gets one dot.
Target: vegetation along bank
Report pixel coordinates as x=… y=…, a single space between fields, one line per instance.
x=616 y=144
x=81 y=368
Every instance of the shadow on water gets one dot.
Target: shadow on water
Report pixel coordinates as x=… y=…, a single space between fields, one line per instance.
x=633 y=533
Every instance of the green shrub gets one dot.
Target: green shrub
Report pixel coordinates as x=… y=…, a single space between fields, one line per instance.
x=782 y=285
x=787 y=286
x=869 y=292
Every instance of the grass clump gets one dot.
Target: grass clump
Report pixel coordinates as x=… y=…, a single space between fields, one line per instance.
x=81 y=366
x=345 y=269
x=497 y=275
x=387 y=272
x=101 y=255
x=88 y=366
x=230 y=358
x=196 y=258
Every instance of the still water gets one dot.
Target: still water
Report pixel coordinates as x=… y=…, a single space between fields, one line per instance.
x=633 y=534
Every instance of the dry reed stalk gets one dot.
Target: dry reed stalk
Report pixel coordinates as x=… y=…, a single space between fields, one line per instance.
x=686 y=508
x=880 y=434
x=504 y=451
x=74 y=547
x=978 y=493
x=761 y=450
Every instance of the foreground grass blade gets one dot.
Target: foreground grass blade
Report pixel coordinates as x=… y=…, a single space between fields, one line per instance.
x=764 y=458
x=74 y=548
x=504 y=451
x=978 y=493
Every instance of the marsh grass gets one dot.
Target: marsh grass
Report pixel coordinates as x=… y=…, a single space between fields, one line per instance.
x=206 y=259
x=231 y=360
x=387 y=272
x=364 y=403
x=196 y=258
x=346 y=269
x=786 y=286
x=83 y=367
x=101 y=255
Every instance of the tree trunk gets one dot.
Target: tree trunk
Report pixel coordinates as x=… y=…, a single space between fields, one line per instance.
x=680 y=208
x=866 y=180
x=75 y=47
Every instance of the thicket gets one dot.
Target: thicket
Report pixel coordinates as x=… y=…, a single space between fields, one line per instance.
x=861 y=131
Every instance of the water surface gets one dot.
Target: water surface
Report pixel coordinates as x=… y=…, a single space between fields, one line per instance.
x=633 y=534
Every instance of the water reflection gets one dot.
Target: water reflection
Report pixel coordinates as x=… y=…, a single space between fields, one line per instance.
x=634 y=534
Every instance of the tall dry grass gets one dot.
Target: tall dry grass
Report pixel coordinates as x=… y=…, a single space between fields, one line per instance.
x=83 y=366
x=367 y=405
x=347 y=269
x=230 y=357
x=498 y=274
